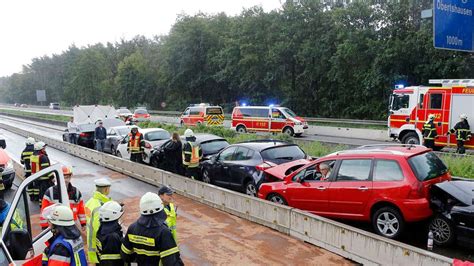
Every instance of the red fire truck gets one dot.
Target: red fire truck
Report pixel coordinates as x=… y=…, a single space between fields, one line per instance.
x=411 y=106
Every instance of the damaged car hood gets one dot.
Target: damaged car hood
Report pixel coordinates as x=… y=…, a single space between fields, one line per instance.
x=460 y=190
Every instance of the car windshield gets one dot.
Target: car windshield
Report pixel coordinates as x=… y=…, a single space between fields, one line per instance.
x=214 y=111
x=214 y=146
x=289 y=112
x=427 y=166
x=281 y=154
x=123 y=131
x=141 y=112
x=157 y=135
x=400 y=101
x=124 y=111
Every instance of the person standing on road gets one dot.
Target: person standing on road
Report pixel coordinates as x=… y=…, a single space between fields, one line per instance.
x=93 y=205
x=172 y=154
x=110 y=235
x=25 y=160
x=463 y=133
x=39 y=161
x=66 y=247
x=100 y=136
x=51 y=196
x=192 y=155
x=135 y=145
x=149 y=241
x=166 y=195
x=73 y=130
x=429 y=132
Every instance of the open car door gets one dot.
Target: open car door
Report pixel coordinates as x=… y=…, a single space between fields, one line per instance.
x=22 y=235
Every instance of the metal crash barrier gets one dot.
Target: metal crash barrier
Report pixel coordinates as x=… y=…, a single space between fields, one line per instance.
x=352 y=243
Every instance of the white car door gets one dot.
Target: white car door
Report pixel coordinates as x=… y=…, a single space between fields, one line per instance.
x=122 y=149
x=21 y=232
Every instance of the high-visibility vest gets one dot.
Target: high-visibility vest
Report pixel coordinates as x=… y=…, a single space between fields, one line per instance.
x=171 y=220
x=93 y=223
x=194 y=161
x=75 y=247
x=36 y=166
x=134 y=142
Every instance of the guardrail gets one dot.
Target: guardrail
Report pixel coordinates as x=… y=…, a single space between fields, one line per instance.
x=347 y=241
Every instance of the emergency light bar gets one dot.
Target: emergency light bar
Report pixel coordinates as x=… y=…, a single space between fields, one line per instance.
x=447 y=82
x=399 y=86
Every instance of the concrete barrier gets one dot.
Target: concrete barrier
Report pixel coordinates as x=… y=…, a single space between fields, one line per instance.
x=352 y=243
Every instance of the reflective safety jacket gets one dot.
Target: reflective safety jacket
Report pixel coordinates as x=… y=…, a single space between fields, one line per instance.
x=25 y=158
x=16 y=223
x=148 y=241
x=93 y=223
x=51 y=196
x=463 y=130
x=65 y=252
x=40 y=161
x=170 y=211
x=429 y=130
x=192 y=154
x=109 y=242
x=135 y=142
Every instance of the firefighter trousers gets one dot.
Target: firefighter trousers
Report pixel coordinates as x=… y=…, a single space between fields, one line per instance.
x=43 y=185
x=460 y=149
x=136 y=157
x=429 y=143
x=192 y=172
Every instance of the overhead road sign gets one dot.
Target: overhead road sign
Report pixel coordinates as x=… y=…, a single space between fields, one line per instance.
x=453 y=26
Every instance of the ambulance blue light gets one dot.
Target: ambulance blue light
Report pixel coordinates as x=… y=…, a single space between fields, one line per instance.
x=399 y=86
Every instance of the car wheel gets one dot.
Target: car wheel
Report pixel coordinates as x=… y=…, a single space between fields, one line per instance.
x=206 y=178
x=113 y=151
x=288 y=131
x=443 y=231
x=388 y=222
x=277 y=199
x=411 y=138
x=241 y=129
x=154 y=161
x=251 y=189
x=119 y=154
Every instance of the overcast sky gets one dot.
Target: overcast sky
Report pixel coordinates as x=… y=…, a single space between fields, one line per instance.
x=35 y=28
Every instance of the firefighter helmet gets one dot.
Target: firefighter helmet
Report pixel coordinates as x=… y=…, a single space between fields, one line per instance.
x=30 y=141
x=463 y=116
x=67 y=170
x=133 y=127
x=431 y=117
x=39 y=145
x=110 y=211
x=150 y=203
x=188 y=133
x=61 y=215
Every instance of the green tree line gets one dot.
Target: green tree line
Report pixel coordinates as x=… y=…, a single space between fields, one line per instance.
x=326 y=60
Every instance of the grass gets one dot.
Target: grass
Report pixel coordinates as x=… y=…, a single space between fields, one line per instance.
x=459 y=166
x=348 y=125
x=60 y=118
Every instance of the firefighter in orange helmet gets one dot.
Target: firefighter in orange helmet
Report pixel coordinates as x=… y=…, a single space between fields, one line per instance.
x=51 y=196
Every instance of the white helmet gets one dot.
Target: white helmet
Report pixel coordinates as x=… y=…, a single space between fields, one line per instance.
x=188 y=133
x=431 y=117
x=61 y=215
x=30 y=141
x=133 y=127
x=150 y=203
x=110 y=211
x=39 y=145
x=463 y=116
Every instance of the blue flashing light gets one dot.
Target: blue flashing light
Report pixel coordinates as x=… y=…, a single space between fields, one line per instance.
x=244 y=104
x=399 y=86
x=271 y=105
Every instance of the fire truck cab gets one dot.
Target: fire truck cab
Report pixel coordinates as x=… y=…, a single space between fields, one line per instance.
x=410 y=107
x=202 y=114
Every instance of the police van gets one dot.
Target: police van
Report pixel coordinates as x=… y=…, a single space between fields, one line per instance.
x=273 y=119
x=202 y=114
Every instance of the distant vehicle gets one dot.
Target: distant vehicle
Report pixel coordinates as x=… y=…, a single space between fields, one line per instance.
x=6 y=169
x=382 y=184
x=202 y=114
x=141 y=115
x=24 y=105
x=3 y=143
x=267 y=119
x=16 y=105
x=241 y=166
x=411 y=106
x=86 y=118
x=54 y=106
x=453 y=204
x=152 y=136
x=115 y=135
x=210 y=145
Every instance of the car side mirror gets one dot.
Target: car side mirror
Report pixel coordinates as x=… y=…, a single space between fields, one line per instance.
x=19 y=244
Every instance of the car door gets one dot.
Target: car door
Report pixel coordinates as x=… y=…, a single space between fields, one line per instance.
x=111 y=134
x=307 y=191
x=5 y=258
x=21 y=232
x=278 y=120
x=241 y=167
x=220 y=170
x=351 y=188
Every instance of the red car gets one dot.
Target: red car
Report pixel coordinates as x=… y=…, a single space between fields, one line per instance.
x=141 y=115
x=385 y=185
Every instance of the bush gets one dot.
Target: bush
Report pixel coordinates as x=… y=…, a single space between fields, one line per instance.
x=462 y=166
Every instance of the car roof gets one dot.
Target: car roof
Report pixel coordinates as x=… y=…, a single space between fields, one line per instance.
x=147 y=130
x=264 y=144
x=381 y=150
x=204 y=137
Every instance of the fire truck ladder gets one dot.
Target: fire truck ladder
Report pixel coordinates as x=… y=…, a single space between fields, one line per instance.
x=453 y=82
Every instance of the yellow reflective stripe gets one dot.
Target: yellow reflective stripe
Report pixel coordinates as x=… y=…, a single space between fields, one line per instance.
x=188 y=152
x=170 y=251
x=146 y=252
x=142 y=240
x=126 y=250
x=77 y=259
x=110 y=257
x=98 y=244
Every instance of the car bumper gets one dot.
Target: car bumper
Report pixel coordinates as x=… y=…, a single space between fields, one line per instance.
x=465 y=236
x=8 y=175
x=298 y=129
x=416 y=210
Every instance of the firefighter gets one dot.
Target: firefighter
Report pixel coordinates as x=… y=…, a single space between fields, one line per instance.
x=51 y=196
x=32 y=189
x=135 y=145
x=98 y=199
x=39 y=161
x=429 y=132
x=463 y=133
x=166 y=195
x=192 y=155
x=66 y=246
x=149 y=241
x=110 y=235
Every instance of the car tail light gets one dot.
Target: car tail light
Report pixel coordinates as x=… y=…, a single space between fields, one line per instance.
x=147 y=145
x=147 y=115
x=84 y=135
x=264 y=166
x=417 y=192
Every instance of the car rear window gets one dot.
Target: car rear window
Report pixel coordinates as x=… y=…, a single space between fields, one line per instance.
x=281 y=154
x=214 y=146
x=427 y=166
x=214 y=111
x=157 y=135
x=141 y=112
